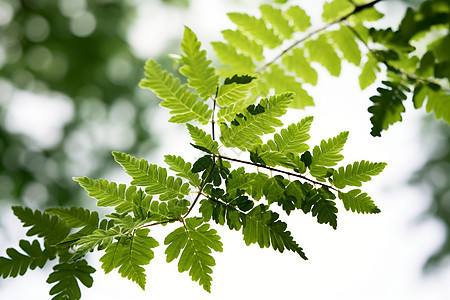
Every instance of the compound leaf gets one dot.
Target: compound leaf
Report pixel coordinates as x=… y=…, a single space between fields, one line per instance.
x=182 y=102
x=129 y=254
x=65 y=275
x=202 y=139
x=194 y=241
x=201 y=76
x=354 y=200
x=152 y=177
x=357 y=173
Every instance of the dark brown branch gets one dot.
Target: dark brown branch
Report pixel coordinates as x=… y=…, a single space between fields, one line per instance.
x=314 y=32
x=279 y=171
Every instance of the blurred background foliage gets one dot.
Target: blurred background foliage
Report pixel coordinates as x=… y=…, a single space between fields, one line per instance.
x=76 y=51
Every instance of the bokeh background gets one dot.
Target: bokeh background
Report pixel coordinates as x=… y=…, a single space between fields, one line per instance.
x=69 y=73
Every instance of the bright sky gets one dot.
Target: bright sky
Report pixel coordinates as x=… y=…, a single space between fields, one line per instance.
x=367 y=257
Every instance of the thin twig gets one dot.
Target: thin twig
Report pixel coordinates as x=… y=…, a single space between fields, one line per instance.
x=310 y=34
x=279 y=171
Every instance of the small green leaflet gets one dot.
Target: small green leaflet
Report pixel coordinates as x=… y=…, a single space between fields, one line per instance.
x=228 y=55
x=18 y=263
x=345 y=40
x=203 y=140
x=129 y=254
x=152 y=177
x=251 y=126
x=335 y=9
x=194 y=241
x=296 y=62
x=66 y=275
x=277 y=20
x=51 y=228
x=354 y=200
x=255 y=28
x=201 y=76
x=299 y=18
x=321 y=51
x=292 y=138
x=234 y=92
x=182 y=102
x=262 y=226
x=240 y=41
x=183 y=169
x=368 y=73
x=356 y=173
x=327 y=154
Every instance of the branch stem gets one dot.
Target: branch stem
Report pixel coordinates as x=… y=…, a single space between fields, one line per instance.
x=279 y=171
x=318 y=30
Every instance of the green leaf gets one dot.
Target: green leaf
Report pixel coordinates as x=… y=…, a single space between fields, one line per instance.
x=201 y=76
x=107 y=193
x=228 y=55
x=292 y=138
x=355 y=174
x=66 y=275
x=387 y=106
x=240 y=41
x=194 y=241
x=202 y=139
x=263 y=227
x=438 y=101
x=325 y=210
x=299 y=18
x=75 y=217
x=277 y=79
x=129 y=254
x=360 y=202
x=336 y=9
x=152 y=177
x=296 y=62
x=182 y=102
x=99 y=237
x=327 y=154
x=322 y=52
x=251 y=126
x=18 y=263
x=234 y=92
x=345 y=41
x=277 y=20
x=256 y=29
x=183 y=169
x=368 y=73
x=51 y=228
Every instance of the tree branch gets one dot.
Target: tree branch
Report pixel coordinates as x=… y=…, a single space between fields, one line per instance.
x=279 y=171
x=356 y=10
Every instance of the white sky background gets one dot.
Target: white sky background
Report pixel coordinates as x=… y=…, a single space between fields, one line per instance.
x=367 y=257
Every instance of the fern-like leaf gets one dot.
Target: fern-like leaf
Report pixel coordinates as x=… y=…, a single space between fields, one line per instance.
x=296 y=62
x=321 y=51
x=75 y=217
x=234 y=92
x=194 y=241
x=277 y=20
x=51 y=228
x=238 y=40
x=256 y=28
x=107 y=193
x=368 y=72
x=387 y=106
x=99 y=237
x=354 y=200
x=203 y=140
x=263 y=227
x=246 y=133
x=327 y=154
x=201 y=76
x=437 y=101
x=129 y=254
x=182 y=102
x=298 y=17
x=18 y=263
x=292 y=139
x=65 y=275
x=277 y=79
x=345 y=40
x=183 y=169
x=357 y=173
x=228 y=55
x=152 y=177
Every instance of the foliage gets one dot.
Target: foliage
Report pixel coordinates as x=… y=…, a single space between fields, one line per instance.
x=247 y=104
